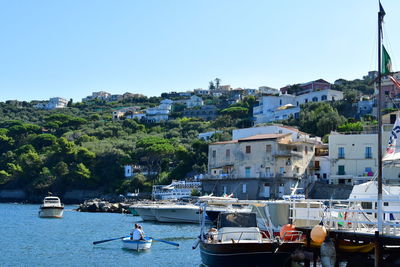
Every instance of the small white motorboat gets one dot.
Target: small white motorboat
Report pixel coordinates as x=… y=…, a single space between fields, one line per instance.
x=51 y=208
x=129 y=243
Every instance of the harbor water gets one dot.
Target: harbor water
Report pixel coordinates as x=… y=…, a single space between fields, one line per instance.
x=27 y=240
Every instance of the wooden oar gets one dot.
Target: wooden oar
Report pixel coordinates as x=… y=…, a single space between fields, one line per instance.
x=165 y=241
x=107 y=240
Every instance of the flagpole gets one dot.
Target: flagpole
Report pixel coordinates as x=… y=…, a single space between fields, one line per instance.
x=381 y=13
x=378 y=255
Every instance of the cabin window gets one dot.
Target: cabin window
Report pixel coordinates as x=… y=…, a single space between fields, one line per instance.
x=248 y=149
x=244 y=188
x=368 y=152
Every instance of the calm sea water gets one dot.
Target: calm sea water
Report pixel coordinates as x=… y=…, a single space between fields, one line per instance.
x=27 y=240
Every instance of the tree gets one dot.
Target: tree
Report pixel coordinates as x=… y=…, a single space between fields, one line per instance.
x=211 y=86
x=217 y=83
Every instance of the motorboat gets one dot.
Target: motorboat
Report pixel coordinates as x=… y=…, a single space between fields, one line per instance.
x=144 y=244
x=177 y=213
x=51 y=208
x=145 y=211
x=237 y=241
x=175 y=191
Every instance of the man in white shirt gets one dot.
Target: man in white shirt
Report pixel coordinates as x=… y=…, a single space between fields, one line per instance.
x=136 y=234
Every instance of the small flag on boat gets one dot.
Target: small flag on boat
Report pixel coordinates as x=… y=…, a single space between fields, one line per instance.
x=382 y=12
x=386 y=62
x=393 y=150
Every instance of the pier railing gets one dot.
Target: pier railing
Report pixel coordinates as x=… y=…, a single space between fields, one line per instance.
x=357 y=215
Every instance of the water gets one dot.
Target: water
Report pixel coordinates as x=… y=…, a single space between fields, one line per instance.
x=27 y=240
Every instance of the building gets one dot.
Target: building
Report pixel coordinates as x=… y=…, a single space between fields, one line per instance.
x=101 y=95
x=194 y=101
x=261 y=166
x=207 y=136
x=280 y=107
x=127 y=112
x=53 y=103
x=160 y=113
x=354 y=158
x=201 y=91
x=307 y=87
x=206 y=112
x=265 y=90
x=390 y=93
x=365 y=106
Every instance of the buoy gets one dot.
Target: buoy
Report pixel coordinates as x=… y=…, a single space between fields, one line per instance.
x=286 y=233
x=318 y=234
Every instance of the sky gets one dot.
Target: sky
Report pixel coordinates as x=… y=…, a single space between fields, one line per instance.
x=71 y=48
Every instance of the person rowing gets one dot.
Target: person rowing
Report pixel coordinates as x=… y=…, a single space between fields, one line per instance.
x=136 y=233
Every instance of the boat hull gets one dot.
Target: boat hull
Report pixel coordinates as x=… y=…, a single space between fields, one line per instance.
x=133 y=211
x=51 y=212
x=137 y=244
x=245 y=254
x=145 y=213
x=180 y=215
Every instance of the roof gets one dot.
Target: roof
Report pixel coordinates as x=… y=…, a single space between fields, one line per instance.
x=256 y=137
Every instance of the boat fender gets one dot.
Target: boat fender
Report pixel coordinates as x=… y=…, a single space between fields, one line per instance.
x=196 y=243
x=328 y=253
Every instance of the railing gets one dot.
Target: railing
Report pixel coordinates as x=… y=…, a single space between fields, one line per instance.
x=346 y=215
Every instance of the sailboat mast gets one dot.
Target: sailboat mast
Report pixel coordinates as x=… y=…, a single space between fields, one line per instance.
x=381 y=14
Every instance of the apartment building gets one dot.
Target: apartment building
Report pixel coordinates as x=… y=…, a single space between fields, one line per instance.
x=354 y=160
x=261 y=166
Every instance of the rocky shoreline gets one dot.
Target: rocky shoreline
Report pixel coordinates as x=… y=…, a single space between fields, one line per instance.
x=98 y=205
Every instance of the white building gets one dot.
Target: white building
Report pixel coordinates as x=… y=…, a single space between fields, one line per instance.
x=53 y=103
x=194 y=101
x=280 y=107
x=296 y=135
x=207 y=136
x=101 y=95
x=354 y=158
x=160 y=113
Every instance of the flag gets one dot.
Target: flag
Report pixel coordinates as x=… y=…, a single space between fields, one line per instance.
x=393 y=79
x=382 y=12
x=386 y=62
x=393 y=150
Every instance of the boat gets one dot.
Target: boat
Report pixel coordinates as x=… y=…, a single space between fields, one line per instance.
x=51 y=208
x=145 y=211
x=177 y=213
x=237 y=241
x=133 y=211
x=129 y=243
x=176 y=190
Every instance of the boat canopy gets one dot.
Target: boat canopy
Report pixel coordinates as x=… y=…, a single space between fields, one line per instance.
x=228 y=219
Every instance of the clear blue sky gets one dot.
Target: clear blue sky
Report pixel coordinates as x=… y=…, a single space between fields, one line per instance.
x=71 y=48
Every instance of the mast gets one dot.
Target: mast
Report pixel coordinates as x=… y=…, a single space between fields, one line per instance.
x=381 y=14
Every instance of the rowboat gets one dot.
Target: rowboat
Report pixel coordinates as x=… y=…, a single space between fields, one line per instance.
x=128 y=243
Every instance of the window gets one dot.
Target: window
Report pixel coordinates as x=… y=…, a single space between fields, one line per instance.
x=247 y=172
x=280 y=102
x=268 y=149
x=214 y=154
x=248 y=149
x=368 y=152
x=228 y=153
x=268 y=171
x=244 y=188
x=315 y=99
x=341 y=170
x=341 y=153
x=282 y=170
x=306 y=100
x=324 y=97
x=306 y=150
x=224 y=188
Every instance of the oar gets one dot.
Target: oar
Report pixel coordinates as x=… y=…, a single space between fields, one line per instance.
x=165 y=241
x=107 y=240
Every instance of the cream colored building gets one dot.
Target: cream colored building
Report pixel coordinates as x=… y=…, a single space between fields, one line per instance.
x=353 y=158
x=258 y=167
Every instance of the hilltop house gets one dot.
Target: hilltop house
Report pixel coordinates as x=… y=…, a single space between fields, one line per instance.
x=160 y=113
x=53 y=103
